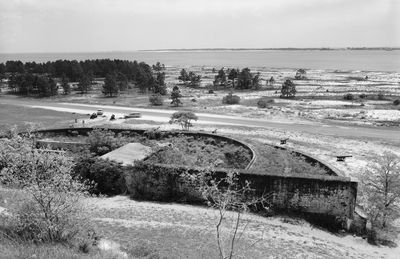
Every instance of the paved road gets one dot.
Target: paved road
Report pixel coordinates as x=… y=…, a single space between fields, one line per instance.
x=392 y=134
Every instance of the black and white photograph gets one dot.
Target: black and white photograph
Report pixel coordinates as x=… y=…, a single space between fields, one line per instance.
x=199 y=129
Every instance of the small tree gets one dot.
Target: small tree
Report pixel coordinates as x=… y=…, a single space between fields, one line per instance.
x=84 y=83
x=183 y=118
x=184 y=76
x=228 y=194
x=122 y=82
x=110 y=86
x=271 y=81
x=300 y=74
x=159 y=86
x=288 y=89
x=232 y=75
x=65 y=84
x=51 y=211
x=194 y=80
x=220 y=78
x=380 y=190
x=176 y=96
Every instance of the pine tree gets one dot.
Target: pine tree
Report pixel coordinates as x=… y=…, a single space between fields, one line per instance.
x=65 y=84
x=110 y=86
x=175 y=96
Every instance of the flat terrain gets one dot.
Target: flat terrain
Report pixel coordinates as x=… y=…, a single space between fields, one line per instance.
x=23 y=117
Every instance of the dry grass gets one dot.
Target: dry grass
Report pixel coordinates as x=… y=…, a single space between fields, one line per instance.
x=20 y=116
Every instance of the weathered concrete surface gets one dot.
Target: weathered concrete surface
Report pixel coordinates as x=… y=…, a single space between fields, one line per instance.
x=129 y=153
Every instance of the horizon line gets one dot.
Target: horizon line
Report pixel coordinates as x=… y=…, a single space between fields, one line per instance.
x=210 y=49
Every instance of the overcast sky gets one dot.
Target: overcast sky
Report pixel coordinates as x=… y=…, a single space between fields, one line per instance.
x=124 y=25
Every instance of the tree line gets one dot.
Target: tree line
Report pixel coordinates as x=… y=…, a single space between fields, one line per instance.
x=41 y=79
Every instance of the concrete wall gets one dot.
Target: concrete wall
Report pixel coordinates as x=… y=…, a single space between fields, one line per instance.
x=331 y=198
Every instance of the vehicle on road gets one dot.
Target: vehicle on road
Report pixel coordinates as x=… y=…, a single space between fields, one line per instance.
x=99 y=112
x=133 y=115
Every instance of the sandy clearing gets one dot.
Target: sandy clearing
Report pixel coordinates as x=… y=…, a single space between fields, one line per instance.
x=299 y=235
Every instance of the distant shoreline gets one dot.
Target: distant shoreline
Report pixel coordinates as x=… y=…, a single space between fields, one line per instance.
x=265 y=49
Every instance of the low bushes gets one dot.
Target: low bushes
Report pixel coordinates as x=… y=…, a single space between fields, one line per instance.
x=106 y=176
x=149 y=181
x=156 y=100
x=231 y=99
x=50 y=210
x=275 y=161
x=348 y=97
x=189 y=151
x=102 y=141
x=264 y=102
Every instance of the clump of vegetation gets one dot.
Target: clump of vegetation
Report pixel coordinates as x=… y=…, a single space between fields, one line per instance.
x=176 y=97
x=348 y=97
x=220 y=79
x=231 y=99
x=51 y=208
x=184 y=119
x=106 y=176
x=248 y=80
x=300 y=74
x=102 y=141
x=264 y=102
x=379 y=195
x=199 y=152
x=156 y=100
x=288 y=89
x=189 y=79
x=276 y=161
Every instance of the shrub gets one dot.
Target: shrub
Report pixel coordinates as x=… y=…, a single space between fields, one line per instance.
x=348 y=97
x=156 y=100
x=152 y=182
x=103 y=141
x=106 y=175
x=300 y=74
x=236 y=157
x=263 y=102
x=231 y=99
x=51 y=210
x=396 y=102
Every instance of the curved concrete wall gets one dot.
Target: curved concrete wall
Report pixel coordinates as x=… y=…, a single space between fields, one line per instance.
x=330 y=197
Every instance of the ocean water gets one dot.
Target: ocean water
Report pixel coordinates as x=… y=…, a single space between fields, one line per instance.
x=345 y=60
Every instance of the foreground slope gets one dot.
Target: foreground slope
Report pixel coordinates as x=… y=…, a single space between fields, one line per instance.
x=183 y=231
